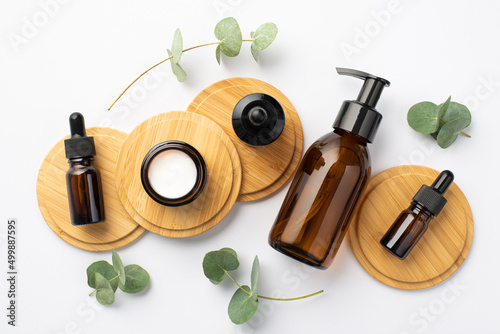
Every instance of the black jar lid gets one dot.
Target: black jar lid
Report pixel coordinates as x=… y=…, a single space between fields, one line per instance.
x=258 y=119
x=201 y=170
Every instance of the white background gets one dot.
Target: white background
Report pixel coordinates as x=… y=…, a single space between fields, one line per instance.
x=88 y=51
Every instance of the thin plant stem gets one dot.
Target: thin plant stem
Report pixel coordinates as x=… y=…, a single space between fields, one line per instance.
x=296 y=298
x=161 y=62
x=90 y=294
x=271 y=298
x=239 y=286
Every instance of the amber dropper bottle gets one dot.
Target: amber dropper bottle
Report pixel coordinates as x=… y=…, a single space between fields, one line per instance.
x=412 y=223
x=82 y=179
x=331 y=177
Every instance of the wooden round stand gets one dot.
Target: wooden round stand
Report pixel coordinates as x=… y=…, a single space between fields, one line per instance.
x=223 y=170
x=118 y=229
x=440 y=251
x=265 y=169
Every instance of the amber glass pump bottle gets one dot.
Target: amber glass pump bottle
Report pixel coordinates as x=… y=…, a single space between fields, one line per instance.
x=333 y=173
x=82 y=179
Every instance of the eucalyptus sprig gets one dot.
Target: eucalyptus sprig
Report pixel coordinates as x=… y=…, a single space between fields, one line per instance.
x=443 y=122
x=106 y=278
x=245 y=301
x=230 y=39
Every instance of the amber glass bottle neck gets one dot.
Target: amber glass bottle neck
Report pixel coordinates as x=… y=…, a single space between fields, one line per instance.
x=81 y=162
x=419 y=208
x=341 y=132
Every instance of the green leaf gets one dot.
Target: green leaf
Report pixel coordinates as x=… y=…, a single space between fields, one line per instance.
x=118 y=267
x=217 y=53
x=216 y=263
x=457 y=111
x=423 y=117
x=177 y=46
x=137 y=279
x=456 y=118
x=105 y=294
x=443 y=107
x=242 y=306
x=446 y=138
x=228 y=32
x=255 y=53
x=264 y=36
x=255 y=277
x=230 y=250
x=177 y=69
x=106 y=270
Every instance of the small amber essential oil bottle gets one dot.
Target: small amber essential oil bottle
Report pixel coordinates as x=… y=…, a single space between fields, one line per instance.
x=412 y=223
x=82 y=179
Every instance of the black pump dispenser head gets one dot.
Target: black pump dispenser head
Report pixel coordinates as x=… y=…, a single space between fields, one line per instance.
x=79 y=145
x=360 y=116
x=432 y=197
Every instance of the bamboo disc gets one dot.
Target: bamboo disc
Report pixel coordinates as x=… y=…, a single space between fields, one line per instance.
x=266 y=168
x=440 y=251
x=118 y=229
x=222 y=169
x=297 y=154
x=214 y=220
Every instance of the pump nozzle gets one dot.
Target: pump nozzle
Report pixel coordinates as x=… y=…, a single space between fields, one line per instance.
x=372 y=88
x=359 y=116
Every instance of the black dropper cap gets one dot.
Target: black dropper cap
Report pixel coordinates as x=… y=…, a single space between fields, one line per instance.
x=432 y=197
x=258 y=119
x=79 y=145
x=359 y=116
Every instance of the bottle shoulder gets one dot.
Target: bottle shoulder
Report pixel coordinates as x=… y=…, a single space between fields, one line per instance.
x=333 y=141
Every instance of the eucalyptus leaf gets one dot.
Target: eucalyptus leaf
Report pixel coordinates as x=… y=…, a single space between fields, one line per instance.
x=255 y=53
x=457 y=111
x=106 y=270
x=423 y=117
x=137 y=279
x=217 y=54
x=216 y=263
x=177 y=46
x=242 y=306
x=230 y=250
x=449 y=131
x=228 y=32
x=177 y=69
x=446 y=138
x=264 y=36
x=255 y=277
x=105 y=294
x=443 y=107
x=118 y=267
x=452 y=118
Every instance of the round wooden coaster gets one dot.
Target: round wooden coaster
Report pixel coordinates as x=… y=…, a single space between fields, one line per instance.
x=265 y=168
x=182 y=233
x=440 y=251
x=118 y=229
x=290 y=171
x=197 y=131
